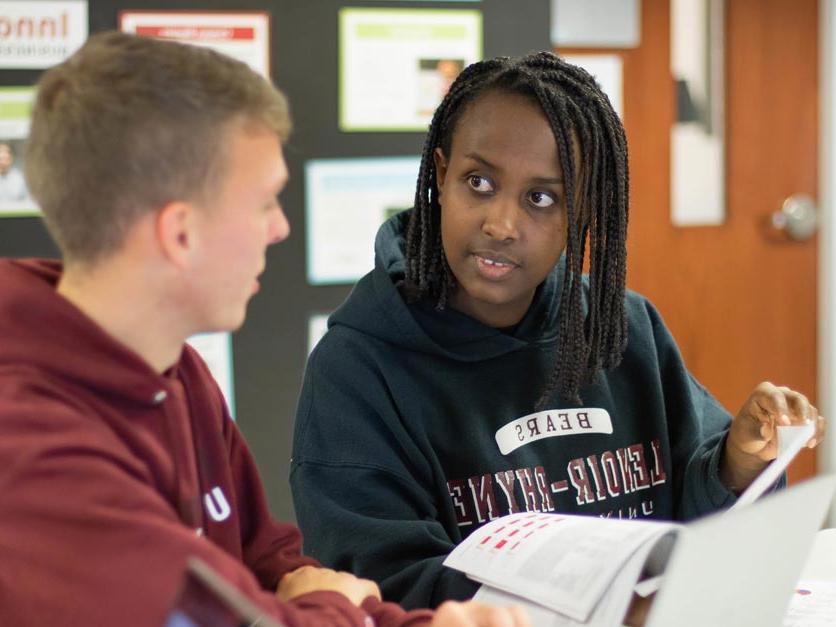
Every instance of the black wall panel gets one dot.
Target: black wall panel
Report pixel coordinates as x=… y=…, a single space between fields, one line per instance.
x=270 y=350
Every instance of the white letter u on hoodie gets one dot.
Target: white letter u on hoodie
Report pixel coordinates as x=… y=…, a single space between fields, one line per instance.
x=217 y=505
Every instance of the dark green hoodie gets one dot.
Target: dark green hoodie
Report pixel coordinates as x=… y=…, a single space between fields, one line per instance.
x=416 y=426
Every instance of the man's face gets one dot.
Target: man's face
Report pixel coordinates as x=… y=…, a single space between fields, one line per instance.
x=235 y=228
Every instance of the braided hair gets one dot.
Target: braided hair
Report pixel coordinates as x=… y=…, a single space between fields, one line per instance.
x=597 y=189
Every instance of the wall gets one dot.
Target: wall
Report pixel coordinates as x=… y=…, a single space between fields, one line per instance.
x=827 y=237
x=270 y=350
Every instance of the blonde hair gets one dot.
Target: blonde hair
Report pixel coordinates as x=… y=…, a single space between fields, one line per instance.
x=127 y=124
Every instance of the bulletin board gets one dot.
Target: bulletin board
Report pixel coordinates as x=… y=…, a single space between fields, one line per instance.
x=270 y=351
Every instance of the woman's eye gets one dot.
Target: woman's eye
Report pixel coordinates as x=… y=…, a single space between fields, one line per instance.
x=541 y=199
x=479 y=183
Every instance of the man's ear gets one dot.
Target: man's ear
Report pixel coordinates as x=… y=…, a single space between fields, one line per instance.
x=176 y=231
x=440 y=168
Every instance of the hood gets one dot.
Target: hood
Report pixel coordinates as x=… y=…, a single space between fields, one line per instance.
x=39 y=329
x=375 y=307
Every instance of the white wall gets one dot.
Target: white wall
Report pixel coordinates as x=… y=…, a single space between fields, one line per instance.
x=827 y=236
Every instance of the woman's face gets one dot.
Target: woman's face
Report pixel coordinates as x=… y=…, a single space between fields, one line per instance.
x=503 y=211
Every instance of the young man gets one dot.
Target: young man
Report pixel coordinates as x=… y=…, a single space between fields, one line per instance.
x=157 y=167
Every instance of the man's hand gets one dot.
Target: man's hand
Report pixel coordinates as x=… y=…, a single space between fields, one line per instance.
x=753 y=437
x=476 y=614
x=313 y=579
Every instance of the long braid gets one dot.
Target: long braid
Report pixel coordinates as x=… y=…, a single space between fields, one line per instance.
x=597 y=192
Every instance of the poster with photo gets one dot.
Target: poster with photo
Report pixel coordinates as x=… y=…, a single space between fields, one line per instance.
x=241 y=35
x=397 y=64
x=39 y=34
x=15 y=111
x=346 y=201
x=216 y=351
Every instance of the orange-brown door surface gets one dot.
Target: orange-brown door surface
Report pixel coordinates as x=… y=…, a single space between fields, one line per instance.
x=739 y=298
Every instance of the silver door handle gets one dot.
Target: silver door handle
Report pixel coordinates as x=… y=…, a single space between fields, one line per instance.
x=797 y=218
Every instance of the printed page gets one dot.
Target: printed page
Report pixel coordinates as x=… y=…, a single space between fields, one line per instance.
x=791 y=440
x=609 y=612
x=813 y=604
x=562 y=562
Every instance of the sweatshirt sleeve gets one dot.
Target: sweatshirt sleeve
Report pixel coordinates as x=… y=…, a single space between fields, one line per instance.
x=270 y=548
x=87 y=538
x=273 y=549
x=363 y=491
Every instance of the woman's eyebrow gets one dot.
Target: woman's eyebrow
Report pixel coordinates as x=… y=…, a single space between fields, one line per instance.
x=540 y=180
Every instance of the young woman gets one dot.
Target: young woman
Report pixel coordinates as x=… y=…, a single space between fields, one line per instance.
x=476 y=372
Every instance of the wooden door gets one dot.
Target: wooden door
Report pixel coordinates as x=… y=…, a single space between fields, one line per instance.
x=740 y=301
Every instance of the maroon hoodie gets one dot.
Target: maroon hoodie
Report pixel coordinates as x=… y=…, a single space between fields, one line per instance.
x=112 y=475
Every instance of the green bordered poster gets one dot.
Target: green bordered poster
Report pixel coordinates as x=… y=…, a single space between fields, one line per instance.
x=397 y=64
x=15 y=111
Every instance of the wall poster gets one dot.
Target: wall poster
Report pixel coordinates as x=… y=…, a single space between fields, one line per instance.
x=397 y=64
x=346 y=201
x=15 y=111
x=241 y=35
x=216 y=351
x=37 y=35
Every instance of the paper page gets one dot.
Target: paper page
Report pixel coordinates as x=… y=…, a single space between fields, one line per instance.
x=813 y=604
x=565 y=563
x=609 y=612
x=791 y=439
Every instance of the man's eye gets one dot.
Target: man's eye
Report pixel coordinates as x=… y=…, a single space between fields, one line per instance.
x=479 y=183
x=541 y=199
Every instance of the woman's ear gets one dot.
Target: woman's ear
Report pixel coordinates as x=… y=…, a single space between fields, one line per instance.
x=440 y=168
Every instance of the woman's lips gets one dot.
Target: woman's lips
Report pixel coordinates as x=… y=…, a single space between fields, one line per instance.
x=494 y=266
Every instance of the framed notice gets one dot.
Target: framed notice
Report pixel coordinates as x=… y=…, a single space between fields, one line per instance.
x=397 y=64
x=216 y=351
x=241 y=35
x=346 y=201
x=596 y=23
x=15 y=111
x=37 y=34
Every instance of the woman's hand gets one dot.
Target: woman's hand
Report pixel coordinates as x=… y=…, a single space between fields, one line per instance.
x=753 y=436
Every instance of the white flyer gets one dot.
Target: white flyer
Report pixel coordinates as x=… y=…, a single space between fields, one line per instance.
x=216 y=351
x=346 y=201
x=242 y=35
x=37 y=34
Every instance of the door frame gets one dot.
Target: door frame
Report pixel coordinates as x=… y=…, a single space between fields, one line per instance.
x=827 y=236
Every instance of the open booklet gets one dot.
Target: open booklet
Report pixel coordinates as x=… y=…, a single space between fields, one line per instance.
x=583 y=570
